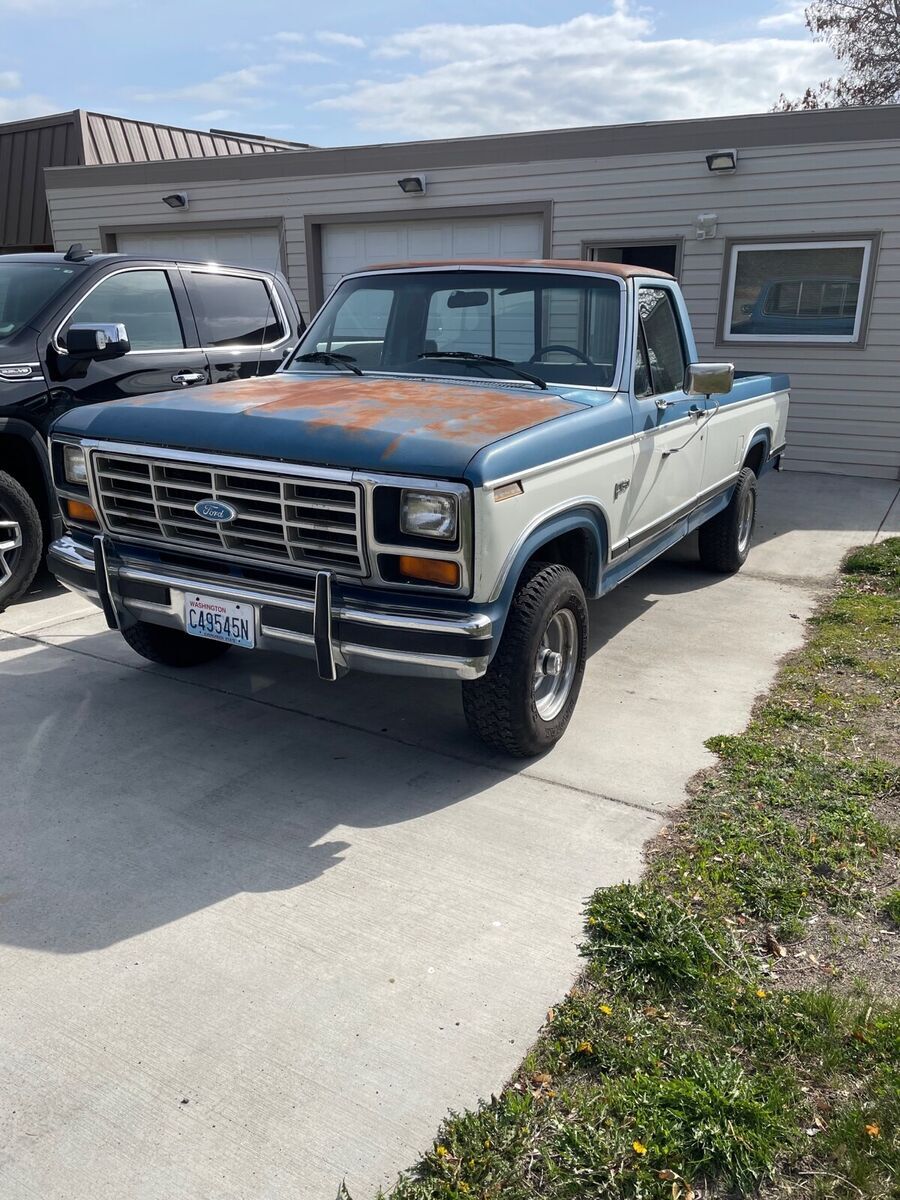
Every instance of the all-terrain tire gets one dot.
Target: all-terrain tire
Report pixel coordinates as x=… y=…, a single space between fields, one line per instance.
x=171 y=647
x=726 y=538
x=500 y=707
x=16 y=505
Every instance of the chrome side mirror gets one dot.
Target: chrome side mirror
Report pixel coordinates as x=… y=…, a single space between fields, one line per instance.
x=708 y=379
x=97 y=341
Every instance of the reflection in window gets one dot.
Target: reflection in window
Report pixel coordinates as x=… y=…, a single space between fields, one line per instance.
x=797 y=291
x=141 y=301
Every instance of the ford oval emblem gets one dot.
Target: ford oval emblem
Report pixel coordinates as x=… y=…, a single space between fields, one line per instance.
x=215 y=510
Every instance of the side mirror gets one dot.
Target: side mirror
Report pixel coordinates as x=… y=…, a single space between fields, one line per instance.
x=708 y=379
x=97 y=341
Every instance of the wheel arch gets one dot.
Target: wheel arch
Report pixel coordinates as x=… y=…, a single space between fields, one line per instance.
x=758 y=446
x=577 y=536
x=23 y=454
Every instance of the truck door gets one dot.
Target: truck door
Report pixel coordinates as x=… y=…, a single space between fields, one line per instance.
x=165 y=353
x=669 y=449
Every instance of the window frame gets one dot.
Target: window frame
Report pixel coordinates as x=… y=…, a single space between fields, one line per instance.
x=641 y=338
x=869 y=243
x=184 y=348
x=274 y=299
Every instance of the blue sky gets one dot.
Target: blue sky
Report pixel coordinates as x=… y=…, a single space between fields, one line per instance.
x=341 y=73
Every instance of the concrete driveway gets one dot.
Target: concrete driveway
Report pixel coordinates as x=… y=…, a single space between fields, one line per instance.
x=258 y=933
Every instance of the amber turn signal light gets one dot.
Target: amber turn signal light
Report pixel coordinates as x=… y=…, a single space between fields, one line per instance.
x=79 y=511
x=432 y=570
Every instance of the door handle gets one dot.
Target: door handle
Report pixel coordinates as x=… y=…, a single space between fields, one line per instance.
x=186 y=377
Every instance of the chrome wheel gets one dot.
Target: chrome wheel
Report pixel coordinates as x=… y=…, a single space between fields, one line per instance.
x=10 y=548
x=745 y=520
x=554 y=668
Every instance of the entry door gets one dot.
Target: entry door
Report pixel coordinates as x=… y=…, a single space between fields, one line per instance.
x=164 y=355
x=670 y=446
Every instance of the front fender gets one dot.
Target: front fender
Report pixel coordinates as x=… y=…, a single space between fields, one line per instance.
x=587 y=518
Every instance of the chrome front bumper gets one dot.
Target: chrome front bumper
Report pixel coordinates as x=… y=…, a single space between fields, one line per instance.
x=338 y=633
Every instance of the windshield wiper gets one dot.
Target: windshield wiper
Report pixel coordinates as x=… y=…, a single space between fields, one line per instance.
x=471 y=356
x=336 y=360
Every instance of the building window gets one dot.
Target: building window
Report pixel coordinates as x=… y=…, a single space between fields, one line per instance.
x=798 y=291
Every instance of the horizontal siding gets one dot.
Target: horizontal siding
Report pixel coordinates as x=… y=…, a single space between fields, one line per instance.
x=845 y=414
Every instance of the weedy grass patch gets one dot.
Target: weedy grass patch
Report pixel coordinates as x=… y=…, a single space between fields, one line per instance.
x=736 y=1029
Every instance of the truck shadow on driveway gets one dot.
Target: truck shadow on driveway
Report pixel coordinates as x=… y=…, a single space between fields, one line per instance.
x=133 y=796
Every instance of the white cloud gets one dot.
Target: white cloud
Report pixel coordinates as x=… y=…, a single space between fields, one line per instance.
x=10 y=81
x=213 y=117
x=234 y=87
x=790 y=16
x=593 y=69
x=292 y=39
x=341 y=39
x=20 y=108
x=303 y=56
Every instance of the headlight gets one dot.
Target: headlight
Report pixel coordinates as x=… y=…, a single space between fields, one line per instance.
x=428 y=514
x=75 y=465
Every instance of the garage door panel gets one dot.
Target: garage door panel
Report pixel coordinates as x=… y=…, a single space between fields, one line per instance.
x=258 y=248
x=347 y=248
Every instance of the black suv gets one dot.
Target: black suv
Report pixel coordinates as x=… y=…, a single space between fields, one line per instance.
x=76 y=328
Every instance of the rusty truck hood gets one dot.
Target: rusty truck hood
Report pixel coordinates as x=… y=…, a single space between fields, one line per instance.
x=409 y=426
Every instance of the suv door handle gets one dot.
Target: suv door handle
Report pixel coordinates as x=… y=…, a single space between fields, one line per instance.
x=186 y=377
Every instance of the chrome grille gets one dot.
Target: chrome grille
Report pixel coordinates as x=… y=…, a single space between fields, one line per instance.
x=310 y=522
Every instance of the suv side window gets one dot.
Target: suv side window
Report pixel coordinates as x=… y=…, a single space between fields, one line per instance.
x=233 y=310
x=661 y=334
x=142 y=301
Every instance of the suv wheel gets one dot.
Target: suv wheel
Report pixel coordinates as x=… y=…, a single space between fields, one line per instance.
x=524 y=703
x=21 y=539
x=171 y=647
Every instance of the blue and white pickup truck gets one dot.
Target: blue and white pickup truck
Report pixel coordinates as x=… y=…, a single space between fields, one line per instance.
x=454 y=460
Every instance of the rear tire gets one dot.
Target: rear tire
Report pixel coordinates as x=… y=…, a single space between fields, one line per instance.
x=171 y=647
x=726 y=538
x=523 y=704
x=21 y=539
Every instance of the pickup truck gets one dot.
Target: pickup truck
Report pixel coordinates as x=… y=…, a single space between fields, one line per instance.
x=161 y=323
x=453 y=461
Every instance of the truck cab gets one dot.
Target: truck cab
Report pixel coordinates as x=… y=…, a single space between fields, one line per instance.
x=454 y=461
x=162 y=324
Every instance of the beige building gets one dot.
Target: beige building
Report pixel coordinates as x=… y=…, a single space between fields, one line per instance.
x=784 y=230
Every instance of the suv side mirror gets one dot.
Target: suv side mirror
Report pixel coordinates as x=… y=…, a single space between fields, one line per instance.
x=708 y=379
x=97 y=341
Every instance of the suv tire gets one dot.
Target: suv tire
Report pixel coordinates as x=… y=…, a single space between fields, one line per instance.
x=523 y=704
x=171 y=647
x=726 y=538
x=21 y=539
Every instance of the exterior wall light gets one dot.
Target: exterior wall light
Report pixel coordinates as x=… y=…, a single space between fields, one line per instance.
x=176 y=200
x=722 y=161
x=412 y=185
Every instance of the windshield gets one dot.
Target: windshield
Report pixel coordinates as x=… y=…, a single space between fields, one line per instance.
x=561 y=328
x=25 y=287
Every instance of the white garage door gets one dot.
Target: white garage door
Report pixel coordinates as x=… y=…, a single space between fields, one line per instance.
x=232 y=247
x=348 y=248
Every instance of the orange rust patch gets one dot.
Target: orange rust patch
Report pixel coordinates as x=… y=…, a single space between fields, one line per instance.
x=454 y=411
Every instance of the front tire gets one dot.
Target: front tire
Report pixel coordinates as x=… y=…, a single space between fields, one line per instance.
x=21 y=539
x=171 y=647
x=725 y=539
x=523 y=704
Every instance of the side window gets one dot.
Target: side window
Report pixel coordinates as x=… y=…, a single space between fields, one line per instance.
x=233 y=310
x=642 y=384
x=142 y=301
x=662 y=335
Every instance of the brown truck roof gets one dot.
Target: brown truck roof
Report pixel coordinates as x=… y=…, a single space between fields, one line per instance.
x=622 y=270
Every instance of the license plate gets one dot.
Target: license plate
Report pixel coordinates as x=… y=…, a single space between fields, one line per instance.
x=220 y=620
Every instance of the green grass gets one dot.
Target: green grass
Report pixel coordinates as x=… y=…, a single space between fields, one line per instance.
x=680 y=1061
